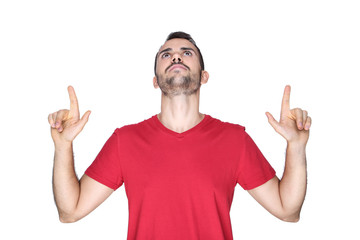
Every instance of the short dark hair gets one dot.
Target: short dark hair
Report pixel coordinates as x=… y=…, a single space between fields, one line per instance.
x=186 y=36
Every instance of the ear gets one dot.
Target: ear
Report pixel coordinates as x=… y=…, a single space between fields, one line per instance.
x=155 y=83
x=204 y=77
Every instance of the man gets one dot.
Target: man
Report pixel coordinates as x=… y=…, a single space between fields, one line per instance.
x=180 y=167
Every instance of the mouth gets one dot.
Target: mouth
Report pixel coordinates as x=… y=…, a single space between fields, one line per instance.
x=177 y=66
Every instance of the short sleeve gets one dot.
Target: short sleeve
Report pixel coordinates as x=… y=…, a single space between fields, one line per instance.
x=106 y=167
x=253 y=169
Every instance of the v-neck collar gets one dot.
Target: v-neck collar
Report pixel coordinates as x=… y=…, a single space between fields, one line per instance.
x=183 y=134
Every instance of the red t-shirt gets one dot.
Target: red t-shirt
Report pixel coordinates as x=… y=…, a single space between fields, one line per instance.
x=180 y=185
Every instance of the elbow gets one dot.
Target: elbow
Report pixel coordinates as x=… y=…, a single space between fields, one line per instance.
x=292 y=218
x=67 y=218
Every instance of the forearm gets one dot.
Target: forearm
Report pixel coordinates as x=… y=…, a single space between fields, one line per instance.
x=65 y=182
x=293 y=183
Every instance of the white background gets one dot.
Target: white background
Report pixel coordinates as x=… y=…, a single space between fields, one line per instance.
x=106 y=50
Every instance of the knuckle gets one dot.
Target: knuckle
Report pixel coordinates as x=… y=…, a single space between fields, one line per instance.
x=62 y=111
x=50 y=120
x=297 y=111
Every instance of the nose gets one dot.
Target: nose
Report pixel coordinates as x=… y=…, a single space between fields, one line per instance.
x=176 y=58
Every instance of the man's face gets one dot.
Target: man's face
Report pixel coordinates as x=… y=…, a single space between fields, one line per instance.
x=178 y=69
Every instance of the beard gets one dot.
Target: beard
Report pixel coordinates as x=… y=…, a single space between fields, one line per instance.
x=176 y=85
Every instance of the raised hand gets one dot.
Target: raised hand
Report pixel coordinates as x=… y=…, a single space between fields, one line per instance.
x=66 y=124
x=294 y=124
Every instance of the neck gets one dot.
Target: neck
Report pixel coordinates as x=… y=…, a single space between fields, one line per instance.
x=180 y=113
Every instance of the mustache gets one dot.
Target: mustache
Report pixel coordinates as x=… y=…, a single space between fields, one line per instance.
x=175 y=64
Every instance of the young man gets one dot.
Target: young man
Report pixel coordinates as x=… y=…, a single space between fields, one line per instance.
x=180 y=167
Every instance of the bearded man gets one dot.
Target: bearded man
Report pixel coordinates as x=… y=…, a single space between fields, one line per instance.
x=180 y=167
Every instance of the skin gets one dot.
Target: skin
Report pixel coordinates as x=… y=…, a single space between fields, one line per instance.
x=177 y=60
x=179 y=111
x=284 y=198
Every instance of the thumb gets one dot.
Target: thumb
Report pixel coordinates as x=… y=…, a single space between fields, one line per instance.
x=84 y=119
x=272 y=121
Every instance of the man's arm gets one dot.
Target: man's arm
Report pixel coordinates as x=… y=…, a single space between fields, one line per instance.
x=74 y=199
x=284 y=198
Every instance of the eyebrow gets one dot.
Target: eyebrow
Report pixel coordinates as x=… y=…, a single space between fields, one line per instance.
x=183 y=48
x=165 y=50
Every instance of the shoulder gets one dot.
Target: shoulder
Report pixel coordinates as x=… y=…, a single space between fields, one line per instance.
x=134 y=128
x=227 y=126
x=227 y=131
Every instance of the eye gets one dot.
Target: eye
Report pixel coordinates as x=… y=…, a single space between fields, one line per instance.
x=165 y=55
x=187 y=53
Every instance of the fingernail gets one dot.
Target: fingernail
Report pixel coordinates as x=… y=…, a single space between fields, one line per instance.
x=53 y=125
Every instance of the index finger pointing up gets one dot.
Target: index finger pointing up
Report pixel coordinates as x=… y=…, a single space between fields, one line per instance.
x=74 y=106
x=285 y=105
